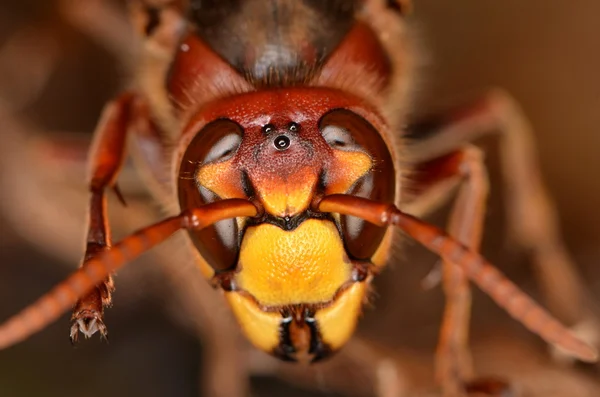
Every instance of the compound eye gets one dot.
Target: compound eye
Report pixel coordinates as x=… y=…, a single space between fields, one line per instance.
x=217 y=142
x=346 y=131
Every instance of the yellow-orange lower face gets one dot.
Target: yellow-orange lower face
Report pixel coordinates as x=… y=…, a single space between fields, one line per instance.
x=337 y=322
x=260 y=327
x=294 y=294
x=299 y=332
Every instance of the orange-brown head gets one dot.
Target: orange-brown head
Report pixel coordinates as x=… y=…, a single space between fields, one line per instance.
x=296 y=279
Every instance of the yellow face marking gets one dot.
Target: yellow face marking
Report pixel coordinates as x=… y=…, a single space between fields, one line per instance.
x=347 y=168
x=287 y=195
x=337 y=322
x=221 y=179
x=261 y=328
x=306 y=265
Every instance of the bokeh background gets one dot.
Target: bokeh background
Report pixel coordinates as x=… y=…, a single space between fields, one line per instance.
x=546 y=53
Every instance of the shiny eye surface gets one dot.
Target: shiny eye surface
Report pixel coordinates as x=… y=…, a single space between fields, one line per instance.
x=346 y=131
x=224 y=148
x=282 y=142
x=354 y=226
x=217 y=142
x=339 y=138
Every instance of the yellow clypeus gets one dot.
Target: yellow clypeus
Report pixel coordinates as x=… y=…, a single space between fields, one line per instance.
x=304 y=265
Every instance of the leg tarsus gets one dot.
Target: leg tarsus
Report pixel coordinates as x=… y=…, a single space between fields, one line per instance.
x=88 y=313
x=88 y=322
x=106 y=158
x=453 y=357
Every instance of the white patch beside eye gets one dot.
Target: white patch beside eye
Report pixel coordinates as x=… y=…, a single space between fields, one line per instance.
x=339 y=138
x=364 y=188
x=226 y=232
x=224 y=148
x=207 y=195
x=225 y=229
x=354 y=226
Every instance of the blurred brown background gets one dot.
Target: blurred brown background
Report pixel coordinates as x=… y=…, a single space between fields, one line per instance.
x=545 y=52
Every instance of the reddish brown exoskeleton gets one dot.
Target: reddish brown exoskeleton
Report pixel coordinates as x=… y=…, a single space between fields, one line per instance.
x=283 y=125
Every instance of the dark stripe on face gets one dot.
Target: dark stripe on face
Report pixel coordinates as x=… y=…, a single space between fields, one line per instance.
x=288 y=223
x=318 y=348
x=285 y=350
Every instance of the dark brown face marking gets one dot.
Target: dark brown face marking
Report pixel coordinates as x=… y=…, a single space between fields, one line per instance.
x=288 y=223
x=319 y=349
x=300 y=339
x=285 y=350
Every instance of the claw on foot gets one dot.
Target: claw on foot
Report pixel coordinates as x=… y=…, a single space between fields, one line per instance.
x=87 y=322
x=88 y=314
